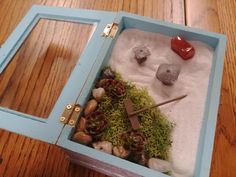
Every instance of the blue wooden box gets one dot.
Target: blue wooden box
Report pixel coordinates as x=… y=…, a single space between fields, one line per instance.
x=53 y=130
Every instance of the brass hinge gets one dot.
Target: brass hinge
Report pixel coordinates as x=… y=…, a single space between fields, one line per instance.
x=70 y=114
x=110 y=30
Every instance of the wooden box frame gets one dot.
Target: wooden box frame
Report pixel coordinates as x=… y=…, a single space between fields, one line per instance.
x=60 y=134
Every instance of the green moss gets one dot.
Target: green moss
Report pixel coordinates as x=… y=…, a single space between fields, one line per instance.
x=154 y=124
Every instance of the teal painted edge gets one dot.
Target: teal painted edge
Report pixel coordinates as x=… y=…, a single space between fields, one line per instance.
x=34 y=127
x=170 y=29
x=209 y=125
x=217 y=41
x=38 y=12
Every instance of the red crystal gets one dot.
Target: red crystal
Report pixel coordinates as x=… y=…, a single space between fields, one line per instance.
x=182 y=48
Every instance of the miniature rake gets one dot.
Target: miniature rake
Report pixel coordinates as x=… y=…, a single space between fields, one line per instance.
x=132 y=114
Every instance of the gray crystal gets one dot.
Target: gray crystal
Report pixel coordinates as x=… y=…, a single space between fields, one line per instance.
x=141 y=53
x=168 y=73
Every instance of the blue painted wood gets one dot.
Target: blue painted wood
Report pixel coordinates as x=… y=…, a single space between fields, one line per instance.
x=169 y=29
x=217 y=41
x=204 y=155
x=49 y=130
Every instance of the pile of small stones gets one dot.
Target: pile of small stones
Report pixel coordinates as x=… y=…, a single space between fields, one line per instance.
x=93 y=123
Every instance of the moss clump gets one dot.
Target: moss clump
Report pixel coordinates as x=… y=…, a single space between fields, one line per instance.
x=154 y=125
x=118 y=122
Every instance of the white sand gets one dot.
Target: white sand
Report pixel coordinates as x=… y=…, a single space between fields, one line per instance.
x=187 y=114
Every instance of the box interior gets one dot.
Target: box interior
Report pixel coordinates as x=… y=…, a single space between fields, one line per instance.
x=128 y=21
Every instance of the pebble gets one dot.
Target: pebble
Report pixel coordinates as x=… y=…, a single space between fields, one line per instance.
x=141 y=53
x=82 y=124
x=114 y=88
x=108 y=74
x=90 y=107
x=159 y=165
x=121 y=152
x=168 y=73
x=104 y=146
x=98 y=93
x=82 y=138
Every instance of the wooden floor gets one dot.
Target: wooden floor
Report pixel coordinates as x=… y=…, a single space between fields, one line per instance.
x=25 y=157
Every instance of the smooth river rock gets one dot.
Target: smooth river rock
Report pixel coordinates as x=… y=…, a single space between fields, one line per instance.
x=90 y=107
x=104 y=146
x=159 y=165
x=82 y=138
x=98 y=93
x=121 y=152
x=82 y=124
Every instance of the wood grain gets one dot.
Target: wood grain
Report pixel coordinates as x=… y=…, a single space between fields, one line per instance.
x=219 y=16
x=37 y=73
x=25 y=157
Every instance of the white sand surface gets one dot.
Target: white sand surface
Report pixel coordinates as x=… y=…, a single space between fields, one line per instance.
x=187 y=114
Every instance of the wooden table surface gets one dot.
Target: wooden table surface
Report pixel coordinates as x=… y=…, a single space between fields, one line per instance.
x=24 y=90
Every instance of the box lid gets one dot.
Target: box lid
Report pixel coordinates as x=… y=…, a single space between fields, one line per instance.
x=33 y=125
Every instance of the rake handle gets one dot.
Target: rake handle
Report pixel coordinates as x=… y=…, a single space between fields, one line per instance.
x=157 y=105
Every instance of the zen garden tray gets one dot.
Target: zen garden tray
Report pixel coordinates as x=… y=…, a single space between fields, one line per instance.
x=117 y=73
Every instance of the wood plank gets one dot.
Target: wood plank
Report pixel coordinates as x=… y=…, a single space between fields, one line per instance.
x=219 y=16
x=25 y=157
x=41 y=67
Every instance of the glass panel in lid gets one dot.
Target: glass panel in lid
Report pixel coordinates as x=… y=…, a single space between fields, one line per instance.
x=36 y=75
